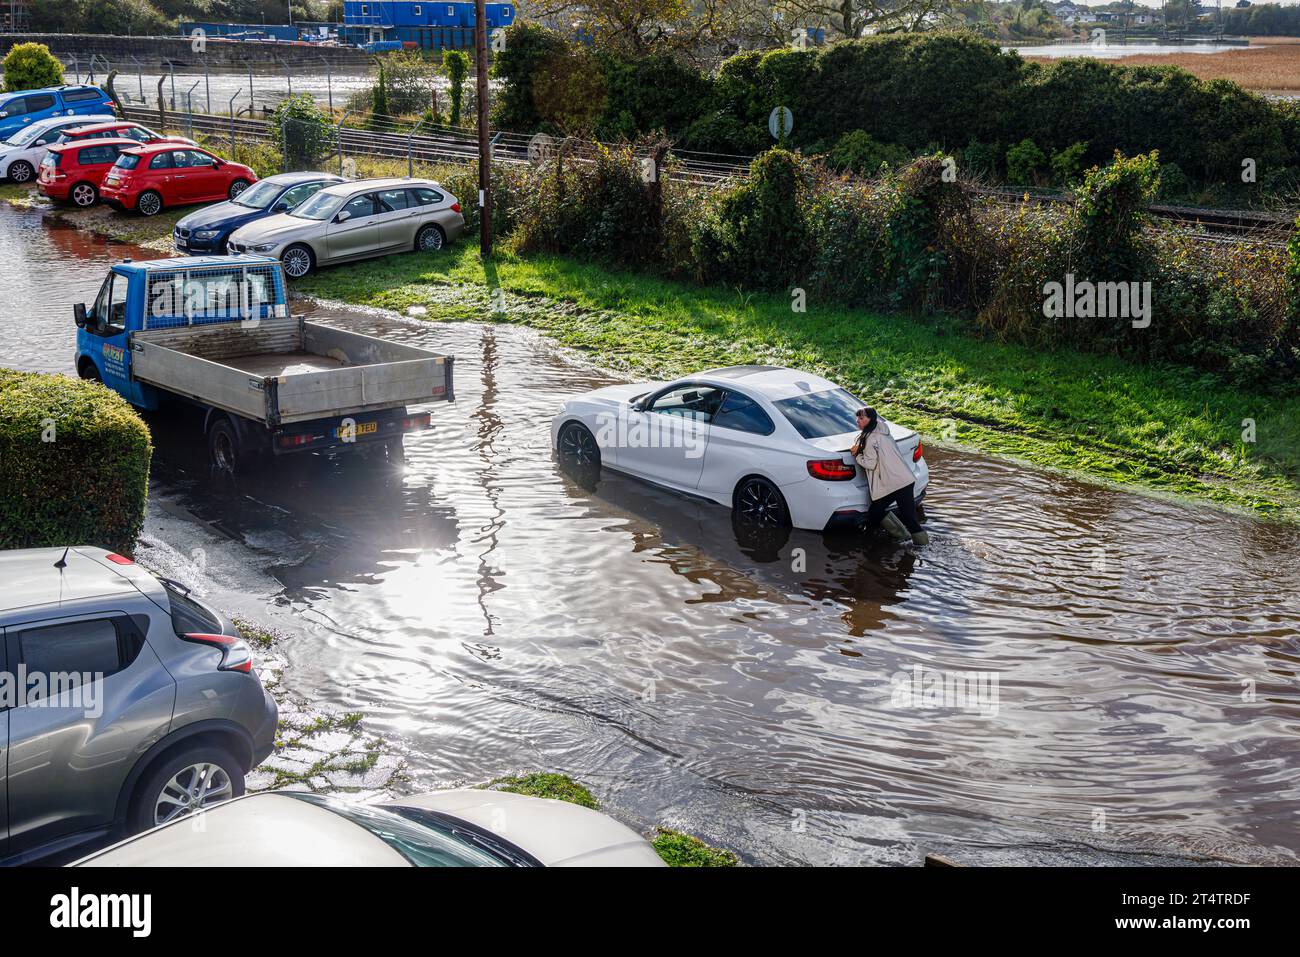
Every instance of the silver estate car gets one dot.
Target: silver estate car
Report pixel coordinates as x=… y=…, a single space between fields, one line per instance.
x=124 y=703
x=356 y=220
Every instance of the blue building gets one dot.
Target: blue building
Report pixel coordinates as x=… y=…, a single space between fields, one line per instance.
x=416 y=24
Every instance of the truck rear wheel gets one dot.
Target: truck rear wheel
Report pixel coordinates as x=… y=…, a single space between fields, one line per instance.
x=226 y=451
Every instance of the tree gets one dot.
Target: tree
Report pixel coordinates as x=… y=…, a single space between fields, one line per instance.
x=30 y=66
x=456 y=63
x=853 y=19
x=302 y=132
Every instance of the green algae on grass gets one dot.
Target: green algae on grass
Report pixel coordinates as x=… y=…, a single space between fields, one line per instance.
x=557 y=787
x=683 y=850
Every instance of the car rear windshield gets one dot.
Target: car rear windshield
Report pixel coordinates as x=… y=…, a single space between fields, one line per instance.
x=820 y=414
x=127 y=161
x=421 y=844
x=188 y=616
x=53 y=158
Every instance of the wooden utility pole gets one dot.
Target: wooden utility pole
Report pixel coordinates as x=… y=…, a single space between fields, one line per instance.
x=484 y=147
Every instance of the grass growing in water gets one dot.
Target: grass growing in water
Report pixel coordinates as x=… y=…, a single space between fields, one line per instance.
x=682 y=850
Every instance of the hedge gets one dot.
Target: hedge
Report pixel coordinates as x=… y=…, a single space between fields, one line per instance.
x=74 y=464
x=917 y=92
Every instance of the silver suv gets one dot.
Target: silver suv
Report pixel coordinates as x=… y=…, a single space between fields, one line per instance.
x=124 y=702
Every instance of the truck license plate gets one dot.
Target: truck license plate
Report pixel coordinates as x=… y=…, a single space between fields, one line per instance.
x=361 y=428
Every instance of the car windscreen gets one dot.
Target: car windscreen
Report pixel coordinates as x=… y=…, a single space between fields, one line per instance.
x=423 y=845
x=819 y=414
x=24 y=135
x=127 y=161
x=320 y=207
x=260 y=196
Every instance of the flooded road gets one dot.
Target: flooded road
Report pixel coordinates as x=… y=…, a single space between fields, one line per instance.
x=1133 y=661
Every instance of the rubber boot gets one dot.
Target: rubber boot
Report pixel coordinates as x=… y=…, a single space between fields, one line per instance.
x=895 y=527
x=920 y=538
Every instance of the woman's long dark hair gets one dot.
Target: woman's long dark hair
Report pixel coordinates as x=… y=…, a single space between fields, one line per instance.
x=870 y=413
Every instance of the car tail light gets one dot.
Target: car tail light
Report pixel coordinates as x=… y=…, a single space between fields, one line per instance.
x=831 y=470
x=235 y=653
x=916 y=456
x=455 y=207
x=414 y=423
x=117 y=559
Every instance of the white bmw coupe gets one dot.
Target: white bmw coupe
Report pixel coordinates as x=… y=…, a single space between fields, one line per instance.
x=771 y=443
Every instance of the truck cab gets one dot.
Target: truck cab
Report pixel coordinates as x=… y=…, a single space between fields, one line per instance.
x=194 y=289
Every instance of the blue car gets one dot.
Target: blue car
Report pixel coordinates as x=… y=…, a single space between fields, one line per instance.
x=27 y=106
x=206 y=231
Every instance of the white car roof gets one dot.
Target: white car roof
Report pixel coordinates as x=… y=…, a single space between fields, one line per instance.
x=260 y=830
x=31 y=577
x=772 y=382
x=57 y=122
x=352 y=187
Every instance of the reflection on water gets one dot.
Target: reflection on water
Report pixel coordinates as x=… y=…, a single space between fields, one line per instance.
x=1114 y=49
x=497 y=614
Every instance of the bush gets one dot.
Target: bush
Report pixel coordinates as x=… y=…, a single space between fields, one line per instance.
x=30 y=66
x=857 y=152
x=301 y=132
x=408 y=84
x=757 y=233
x=74 y=464
x=1025 y=162
x=1067 y=164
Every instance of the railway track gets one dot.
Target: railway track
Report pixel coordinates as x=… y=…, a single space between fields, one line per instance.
x=447 y=145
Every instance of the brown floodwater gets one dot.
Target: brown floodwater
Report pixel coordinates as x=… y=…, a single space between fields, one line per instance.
x=1132 y=661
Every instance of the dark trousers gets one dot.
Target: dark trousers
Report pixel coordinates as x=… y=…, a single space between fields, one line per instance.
x=906 y=509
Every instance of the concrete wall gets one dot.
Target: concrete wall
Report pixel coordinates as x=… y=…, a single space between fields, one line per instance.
x=153 y=52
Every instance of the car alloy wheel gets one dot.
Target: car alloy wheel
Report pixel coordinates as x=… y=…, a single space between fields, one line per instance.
x=191 y=789
x=759 y=502
x=20 y=172
x=296 y=262
x=149 y=204
x=430 y=239
x=237 y=187
x=578 y=446
x=83 y=194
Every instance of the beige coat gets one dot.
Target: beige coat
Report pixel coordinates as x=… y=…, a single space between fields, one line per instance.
x=883 y=463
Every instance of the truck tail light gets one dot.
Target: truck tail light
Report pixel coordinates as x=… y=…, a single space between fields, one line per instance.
x=235 y=653
x=416 y=423
x=916 y=456
x=831 y=470
x=293 y=441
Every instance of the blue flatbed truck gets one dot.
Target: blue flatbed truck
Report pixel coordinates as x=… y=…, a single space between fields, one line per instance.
x=215 y=331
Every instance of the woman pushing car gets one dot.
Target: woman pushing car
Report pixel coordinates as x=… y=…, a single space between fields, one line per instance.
x=891 y=481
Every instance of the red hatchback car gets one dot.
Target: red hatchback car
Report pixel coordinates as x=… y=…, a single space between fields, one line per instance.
x=120 y=129
x=75 y=171
x=150 y=178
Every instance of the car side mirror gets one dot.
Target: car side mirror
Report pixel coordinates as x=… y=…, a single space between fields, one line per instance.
x=79 y=315
x=343 y=216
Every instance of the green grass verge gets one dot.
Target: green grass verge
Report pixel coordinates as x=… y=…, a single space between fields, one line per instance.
x=557 y=787
x=1157 y=427
x=676 y=849
x=682 y=850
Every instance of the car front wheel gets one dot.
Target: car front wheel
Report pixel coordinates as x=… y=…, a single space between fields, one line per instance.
x=149 y=203
x=237 y=187
x=21 y=172
x=577 y=446
x=297 y=261
x=196 y=778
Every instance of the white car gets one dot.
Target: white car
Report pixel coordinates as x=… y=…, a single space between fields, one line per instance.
x=771 y=443
x=22 y=152
x=462 y=828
